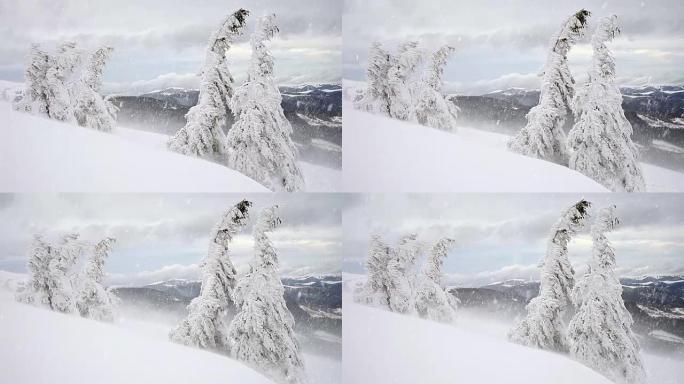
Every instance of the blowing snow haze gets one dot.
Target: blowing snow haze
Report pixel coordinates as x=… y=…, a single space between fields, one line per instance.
x=502 y=44
x=159 y=44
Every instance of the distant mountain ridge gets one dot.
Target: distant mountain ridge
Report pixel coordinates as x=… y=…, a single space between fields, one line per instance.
x=656 y=304
x=315 y=112
x=656 y=114
x=315 y=301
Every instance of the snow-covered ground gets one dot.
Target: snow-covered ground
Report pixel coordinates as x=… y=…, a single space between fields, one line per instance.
x=388 y=155
x=42 y=155
x=384 y=347
x=41 y=346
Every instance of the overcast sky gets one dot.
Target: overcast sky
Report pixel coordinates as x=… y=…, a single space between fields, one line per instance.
x=504 y=236
x=159 y=43
x=503 y=43
x=166 y=236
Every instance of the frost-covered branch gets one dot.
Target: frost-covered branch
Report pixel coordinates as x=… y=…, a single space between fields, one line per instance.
x=401 y=274
x=259 y=144
x=93 y=300
x=204 y=326
x=399 y=76
x=600 y=334
x=376 y=96
x=433 y=300
x=375 y=290
x=543 y=136
x=262 y=332
x=432 y=108
x=542 y=326
x=203 y=134
x=600 y=140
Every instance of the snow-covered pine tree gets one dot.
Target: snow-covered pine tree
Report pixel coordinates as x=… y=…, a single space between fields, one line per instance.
x=93 y=300
x=543 y=325
x=543 y=137
x=37 y=290
x=600 y=141
x=376 y=96
x=61 y=296
x=59 y=79
x=399 y=77
x=401 y=274
x=262 y=332
x=600 y=333
x=433 y=300
x=259 y=143
x=90 y=108
x=34 y=99
x=203 y=134
x=204 y=326
x=433 y=109
x=375 y=290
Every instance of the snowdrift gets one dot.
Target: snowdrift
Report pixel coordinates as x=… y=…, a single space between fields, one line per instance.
x=42 y=155
x=384 y=347
x=134 y=331
x=389 y=155
x=40 y=346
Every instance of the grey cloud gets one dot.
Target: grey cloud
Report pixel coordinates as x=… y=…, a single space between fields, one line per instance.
x=496 y=231
x=157 y=37
x=157 y=230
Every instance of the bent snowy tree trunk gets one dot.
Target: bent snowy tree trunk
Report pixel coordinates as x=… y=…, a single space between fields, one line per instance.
x=204 y=326
x=262 y=332
x=202 y=134
x=542 y=327
x=259 y=144
x=600 y=334
x=601 y=139
x=543 y=136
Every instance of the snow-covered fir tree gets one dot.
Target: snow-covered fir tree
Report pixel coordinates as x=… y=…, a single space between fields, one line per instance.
x=375 y=290
x=60 y=78
x=600 y=141
x=376 y=96
x=401 y=274
x=204 y=325
x=262 y=332
x=60 y=274
x=37 y=290
x=259 y=143
x=90 y=108
x=94 y=301
x=600 y=333
x=433 y=300
x=399 y=76
x=34 y=98
x=203 y=134
x=543 y=325
x=543 y=137
x=432 y=108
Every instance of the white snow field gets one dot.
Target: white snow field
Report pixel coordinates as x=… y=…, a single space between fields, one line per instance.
x=389 y=155
x=41 y=346
x=42 y=155
x=384 y=347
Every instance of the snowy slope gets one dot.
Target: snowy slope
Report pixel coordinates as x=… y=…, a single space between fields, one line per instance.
x=40 y=346
x=383 y=155
x=139 y=341
x=388 y=155
x=384 y=347
x=378 y=344
x=41 y=155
